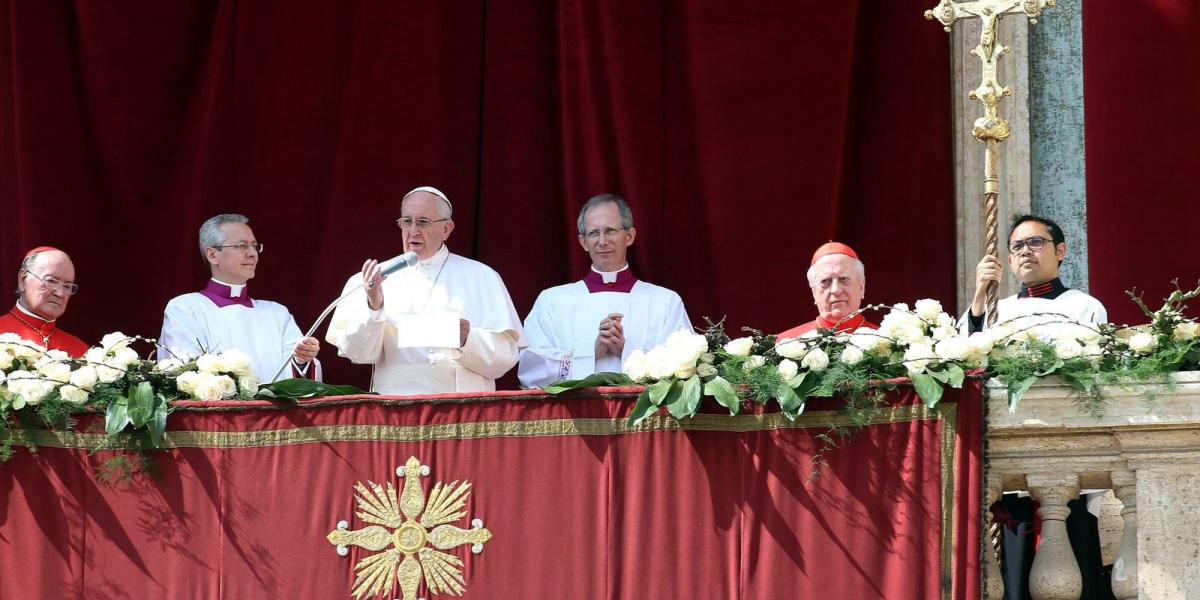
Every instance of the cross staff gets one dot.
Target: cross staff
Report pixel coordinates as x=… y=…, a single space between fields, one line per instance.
x=990 y=129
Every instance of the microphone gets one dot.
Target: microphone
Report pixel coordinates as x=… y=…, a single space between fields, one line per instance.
x=392 y=265
x=403 y=261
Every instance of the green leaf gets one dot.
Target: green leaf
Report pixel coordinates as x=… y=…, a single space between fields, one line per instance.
x=296 y=389
x=1056 y=365
x=140 y=403
x=644 y=408
x=804 y=384
x=791 y=402
x=719 y=388
x=956 y=376
x=1016 y=389
x=688 y=399
x=593 y=380
x=158 y=423
x=928 y=388
x=659 y=390
x=116 y=418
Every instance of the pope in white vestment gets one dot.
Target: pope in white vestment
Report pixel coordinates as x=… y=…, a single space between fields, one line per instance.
x=446 y=324
x=591 y=326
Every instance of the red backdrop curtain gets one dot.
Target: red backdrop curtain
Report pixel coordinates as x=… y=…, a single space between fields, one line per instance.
x=1141 y=167
x=743 y=133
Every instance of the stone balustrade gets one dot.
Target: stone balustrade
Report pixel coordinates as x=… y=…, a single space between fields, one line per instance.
x=1145 y=447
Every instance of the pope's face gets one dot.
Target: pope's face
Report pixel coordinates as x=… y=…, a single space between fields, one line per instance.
x=1034 y=267
x=230 y=264
x=51 y=269
x=606 y=242
x=837 y=289
x=423 y=207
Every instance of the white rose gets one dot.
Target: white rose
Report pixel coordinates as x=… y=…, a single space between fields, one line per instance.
x=918 y=356
x=236 y=362
x=107 y=374
x=635 y=365
x=658 y=364
x=1186 y=331
x=928 y=310
x=9 y=337
x=85 y=378
x=953 y=349
x=209 y=387
x=793 y=348
x=740 y=346
x=6 y=360
x=228 y=386
x=1093 y=352
x=187 y=382
x=1068 y=349
x=684 y=372
x=852 y=355
x=123 y=357
x=754 y=362
x=26 y=384
x=945 y=320
x=53 y=356
x=210 y=363
x=168 y=364
x=115 y=341
x=1142 y=342
x=788 y=369
x=27 y=350
x=248 y=384
x=95 y=355
x=56 y=371
x=73 y=394
x=816 y=360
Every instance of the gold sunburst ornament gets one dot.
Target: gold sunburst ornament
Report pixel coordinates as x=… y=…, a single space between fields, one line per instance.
x=408 y=534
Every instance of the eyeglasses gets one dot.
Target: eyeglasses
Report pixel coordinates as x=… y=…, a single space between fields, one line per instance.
x=607 y=231
x=242 y=247
x=421 y=223
x=53 y=285
x=1034 y=243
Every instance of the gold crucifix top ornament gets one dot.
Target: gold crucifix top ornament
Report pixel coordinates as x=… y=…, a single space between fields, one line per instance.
x=990 y=128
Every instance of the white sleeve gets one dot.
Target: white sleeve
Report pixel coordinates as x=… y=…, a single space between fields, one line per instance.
x=544 y=362
x=181 y=336
x=489 y=353
x=356 y=330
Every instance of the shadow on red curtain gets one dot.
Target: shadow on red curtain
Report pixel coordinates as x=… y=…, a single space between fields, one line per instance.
x=744 y=134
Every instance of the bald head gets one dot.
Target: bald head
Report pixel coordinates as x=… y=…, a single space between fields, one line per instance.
x=44 y=283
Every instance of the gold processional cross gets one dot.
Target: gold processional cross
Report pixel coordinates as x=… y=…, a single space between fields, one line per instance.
x=990 y=129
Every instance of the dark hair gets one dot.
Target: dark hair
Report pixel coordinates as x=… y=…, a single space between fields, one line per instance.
x=1056 y=234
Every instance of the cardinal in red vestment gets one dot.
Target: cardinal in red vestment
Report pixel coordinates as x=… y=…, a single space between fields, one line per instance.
x=45 y=283
x=838 y=281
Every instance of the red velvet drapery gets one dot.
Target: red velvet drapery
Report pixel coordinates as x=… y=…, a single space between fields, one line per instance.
x=744 y=134
x=579 y=504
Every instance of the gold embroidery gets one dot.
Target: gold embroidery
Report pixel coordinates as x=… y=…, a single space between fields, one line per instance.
x=948 y=414
x=475 y=430
x=397 y=525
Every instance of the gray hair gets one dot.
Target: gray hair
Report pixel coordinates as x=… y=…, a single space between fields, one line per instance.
x=445 y=211
x=859 y=268
x=210 y=232
x=594 y=201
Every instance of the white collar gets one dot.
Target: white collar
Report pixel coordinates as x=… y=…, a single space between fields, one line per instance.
x=437 y=259
x=235 y=290
x=609 y=276
x=21 y=307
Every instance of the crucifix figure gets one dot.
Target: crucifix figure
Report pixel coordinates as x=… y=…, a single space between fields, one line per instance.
x=990 y=129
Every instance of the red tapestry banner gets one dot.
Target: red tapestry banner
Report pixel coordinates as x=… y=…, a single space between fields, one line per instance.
x=508 y=495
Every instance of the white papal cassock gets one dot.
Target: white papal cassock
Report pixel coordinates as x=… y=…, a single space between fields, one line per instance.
x=224 y=317
x=565 y=320
x=419 y=302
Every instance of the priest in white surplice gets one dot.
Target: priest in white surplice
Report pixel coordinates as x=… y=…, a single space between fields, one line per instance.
x=447 y=324
x=592 y=325
x=1036 y=249
x=223 y=317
